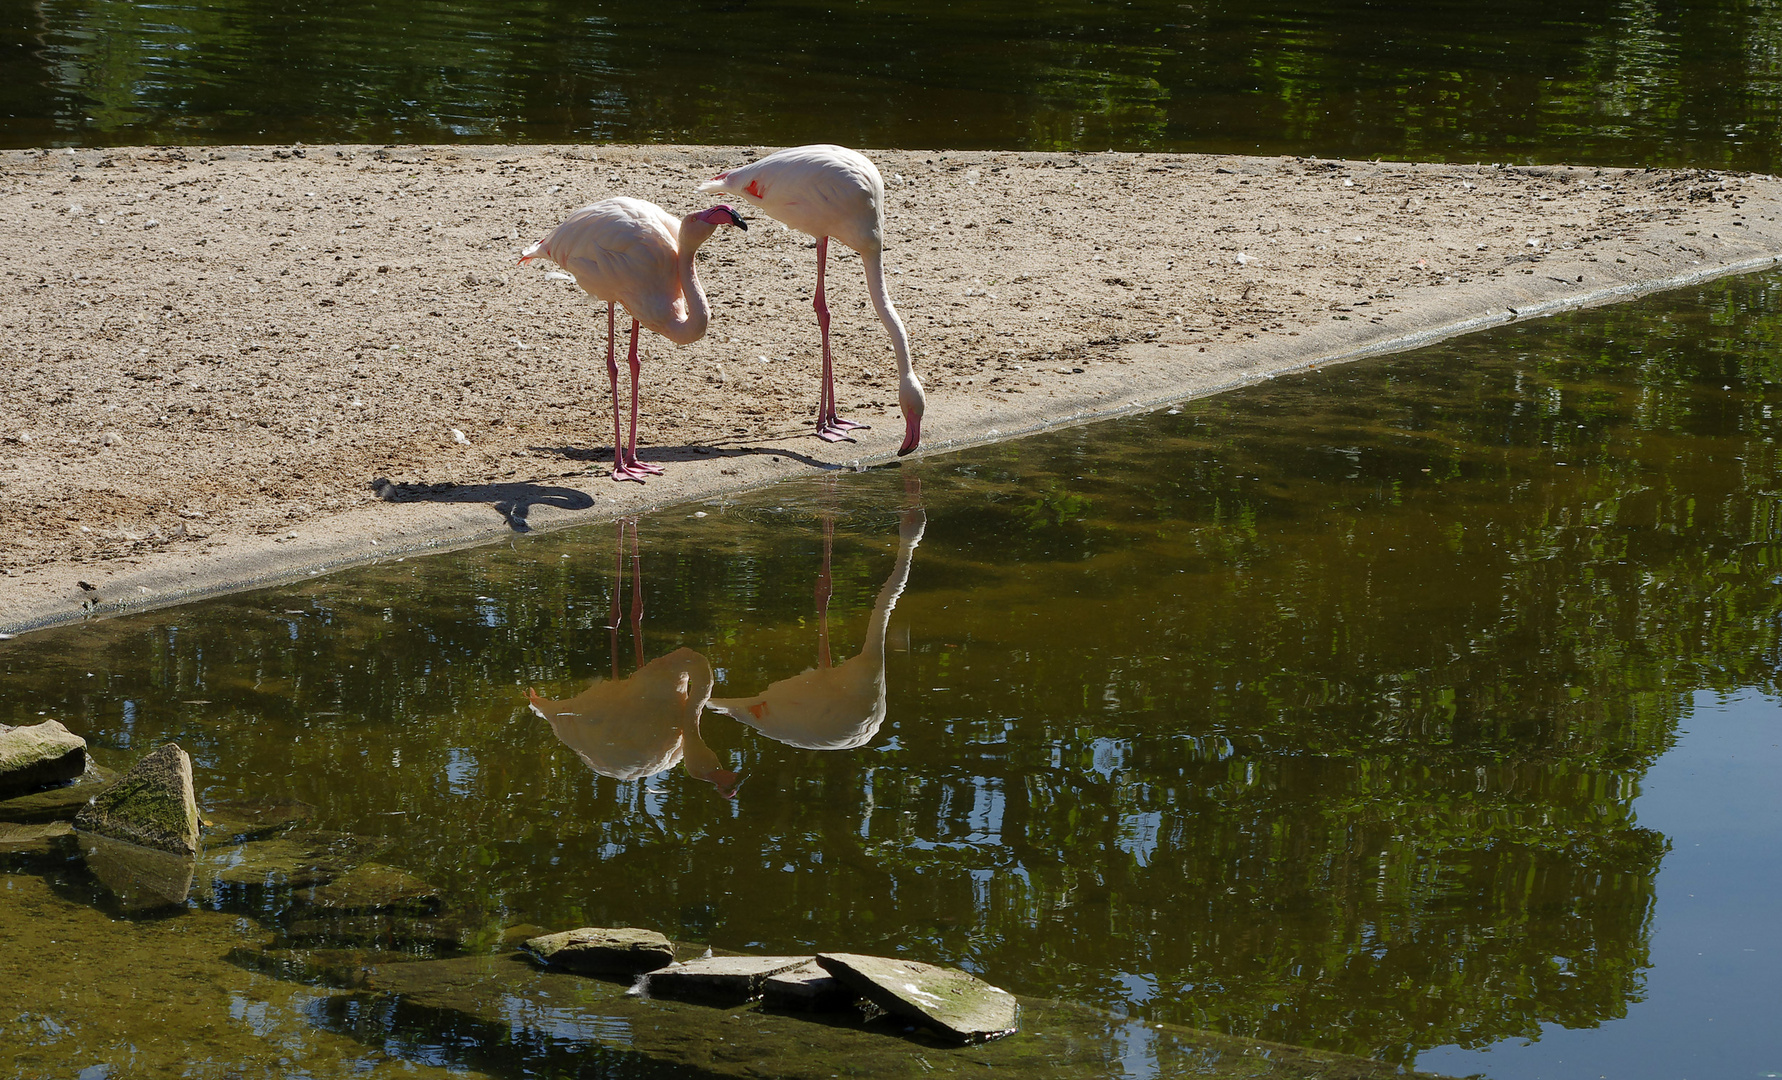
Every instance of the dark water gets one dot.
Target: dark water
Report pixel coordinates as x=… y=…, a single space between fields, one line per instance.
x=1685 y=82
x=1321 y=711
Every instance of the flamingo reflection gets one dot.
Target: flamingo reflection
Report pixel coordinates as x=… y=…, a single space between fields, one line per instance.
x=646 y=723
x=835 y=706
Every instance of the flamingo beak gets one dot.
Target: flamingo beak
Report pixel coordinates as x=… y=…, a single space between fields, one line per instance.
x=736 y=219
x=912 y=434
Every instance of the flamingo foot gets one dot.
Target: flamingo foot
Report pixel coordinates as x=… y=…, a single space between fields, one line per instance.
x=642 y=467
x=831 y=433
x=622 y=473
x=847 y=425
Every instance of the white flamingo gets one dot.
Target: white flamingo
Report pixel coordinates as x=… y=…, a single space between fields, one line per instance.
x=833 y=191
x=632 y=252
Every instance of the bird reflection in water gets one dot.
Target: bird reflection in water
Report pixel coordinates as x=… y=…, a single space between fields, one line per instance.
x=836 y=706
x=645 y=723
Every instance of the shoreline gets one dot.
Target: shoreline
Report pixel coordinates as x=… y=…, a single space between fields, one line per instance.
x=184 y=441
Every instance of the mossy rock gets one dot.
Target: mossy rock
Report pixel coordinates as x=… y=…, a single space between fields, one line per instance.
x=152 y=805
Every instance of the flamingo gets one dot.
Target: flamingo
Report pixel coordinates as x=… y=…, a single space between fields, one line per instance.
x=834 y=706
x=632 y=252
x=633 y=727
x=830 y=191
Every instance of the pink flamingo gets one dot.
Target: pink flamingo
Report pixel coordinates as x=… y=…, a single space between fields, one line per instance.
x=631 y=252
x=833 y=191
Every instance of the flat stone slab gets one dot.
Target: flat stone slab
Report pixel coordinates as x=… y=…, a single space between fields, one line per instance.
x=595 y=950
x=38 y=756
x=152 y=805
x=719 y=980
x=954 y=1003
x=58 y=803
x=376 y=888
x=807 y=988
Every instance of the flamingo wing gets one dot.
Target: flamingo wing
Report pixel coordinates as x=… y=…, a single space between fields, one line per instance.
x=822 y=190
x=625 y=250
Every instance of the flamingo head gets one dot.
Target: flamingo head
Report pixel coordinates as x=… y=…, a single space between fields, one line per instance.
x=723 y=214
x=725 y=781
x=912 y=403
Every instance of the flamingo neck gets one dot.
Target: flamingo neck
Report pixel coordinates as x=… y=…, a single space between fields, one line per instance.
x=691 y=327
x=881 y=303
x=909 y=387
x=910 y=534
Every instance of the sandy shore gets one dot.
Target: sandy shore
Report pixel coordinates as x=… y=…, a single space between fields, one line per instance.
x=238 y=365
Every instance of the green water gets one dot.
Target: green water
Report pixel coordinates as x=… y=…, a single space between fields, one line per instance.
x=1624 y=82
x=1317 y=712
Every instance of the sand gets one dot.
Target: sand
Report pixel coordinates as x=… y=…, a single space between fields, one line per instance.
x=231 y=366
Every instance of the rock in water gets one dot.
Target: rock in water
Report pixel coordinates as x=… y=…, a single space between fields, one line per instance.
x=953 y=1002
x=594 y=950
x=375 y=888
x=806 y=989
x=151 y=805
x=38 y=756
x=58 y=803
x=720 y=980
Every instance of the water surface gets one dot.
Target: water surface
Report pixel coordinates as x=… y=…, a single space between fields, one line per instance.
x=1319 y=712
x=1622 y=82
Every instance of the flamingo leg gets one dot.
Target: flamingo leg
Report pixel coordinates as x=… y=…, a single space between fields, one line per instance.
x=636 y=596
x=612 y=618
x=621 y=471
x=825 y=588
x=830 y=427
x=637 y=468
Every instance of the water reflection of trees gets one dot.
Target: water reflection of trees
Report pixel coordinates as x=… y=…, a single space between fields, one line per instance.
x=1236 y=717
x=1615 y=81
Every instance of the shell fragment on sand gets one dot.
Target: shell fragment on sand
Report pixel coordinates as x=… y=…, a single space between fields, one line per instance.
x=594 y=950
x=952 y=1002
x=151 y=805
x=39 y=755
x=720 y=980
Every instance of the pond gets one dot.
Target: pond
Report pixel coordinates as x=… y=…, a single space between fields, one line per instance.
x=1420 y=708
x=1616 y=82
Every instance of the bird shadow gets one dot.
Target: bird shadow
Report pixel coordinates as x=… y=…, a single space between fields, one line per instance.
x=514 y=502
x=718 y=449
